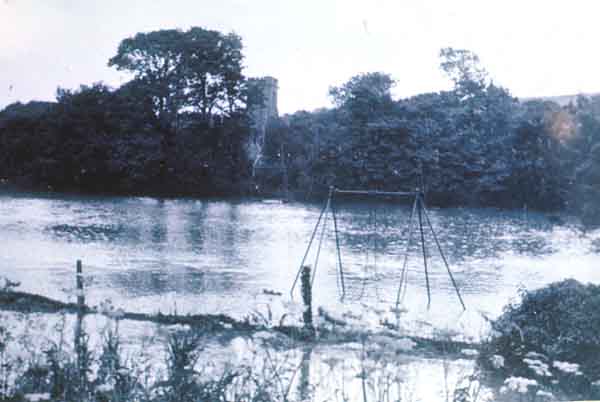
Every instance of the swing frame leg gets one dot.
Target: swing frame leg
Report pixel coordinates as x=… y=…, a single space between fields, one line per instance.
x=423 y=248
x=420 y=208
x=339 y=253
x=312 y=238
x=443 y=257
x=323 y=226
x=404 y=273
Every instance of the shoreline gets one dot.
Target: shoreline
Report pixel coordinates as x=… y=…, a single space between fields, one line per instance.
x=221 y=324
x=559 y=215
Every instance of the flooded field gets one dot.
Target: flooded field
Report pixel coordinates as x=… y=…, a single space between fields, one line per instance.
x=219 y=256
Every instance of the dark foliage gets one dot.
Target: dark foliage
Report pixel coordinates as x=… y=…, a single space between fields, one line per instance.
x=182 y=127
x=473 y=145
x=99 y=140
x=557 y=323
x=484 y=148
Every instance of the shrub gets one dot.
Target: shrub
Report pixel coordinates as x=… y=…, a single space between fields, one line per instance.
x=551 y=328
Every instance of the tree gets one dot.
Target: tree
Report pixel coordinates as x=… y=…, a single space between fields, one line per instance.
x=155 y=59
x=537 y=175
x=213 y=71
x=198 y=70
x=364 y=96
x=585 y=146
x=462 y=67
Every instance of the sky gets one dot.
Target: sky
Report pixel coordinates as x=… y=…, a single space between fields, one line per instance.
x=533 y=47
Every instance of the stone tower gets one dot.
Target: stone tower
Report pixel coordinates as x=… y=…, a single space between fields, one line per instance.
x=261 y=111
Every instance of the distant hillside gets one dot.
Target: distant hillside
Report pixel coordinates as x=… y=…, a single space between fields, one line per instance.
x=562 y=100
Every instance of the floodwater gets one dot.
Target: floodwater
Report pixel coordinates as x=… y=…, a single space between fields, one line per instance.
x=219 y=256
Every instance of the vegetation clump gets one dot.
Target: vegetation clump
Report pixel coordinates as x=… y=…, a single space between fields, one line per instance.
x=551 y=338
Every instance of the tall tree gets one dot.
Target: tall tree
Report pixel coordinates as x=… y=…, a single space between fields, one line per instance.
x=364 y=96
x=198 y=70
x=213 y=71
x=463 y=68
x=155 y=59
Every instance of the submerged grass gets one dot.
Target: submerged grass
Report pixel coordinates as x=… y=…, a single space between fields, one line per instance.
x=72 y=368
x=64 y=372
x=82 y=366
x=326 y=330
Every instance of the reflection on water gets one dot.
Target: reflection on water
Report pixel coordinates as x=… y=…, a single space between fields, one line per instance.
x=185 y=280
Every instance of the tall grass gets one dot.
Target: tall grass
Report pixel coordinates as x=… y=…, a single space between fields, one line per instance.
x=180 y=368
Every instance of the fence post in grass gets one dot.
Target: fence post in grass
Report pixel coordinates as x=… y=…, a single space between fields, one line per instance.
x=80 y=341
x=80 y=294
x=306 y=288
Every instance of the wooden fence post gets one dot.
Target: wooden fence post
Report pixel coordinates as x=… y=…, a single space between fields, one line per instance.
x=80 y=294
x=80 y=342
x=306 y=288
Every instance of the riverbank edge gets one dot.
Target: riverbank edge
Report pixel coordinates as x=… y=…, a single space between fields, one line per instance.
x=7 y=187
x=221 y=324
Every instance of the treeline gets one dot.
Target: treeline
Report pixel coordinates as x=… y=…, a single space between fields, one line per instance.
x=472 y=145
x=179 y=127
x=111 y=141
x=183 y=123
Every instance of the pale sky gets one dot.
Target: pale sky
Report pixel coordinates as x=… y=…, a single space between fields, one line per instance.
x=532 y=47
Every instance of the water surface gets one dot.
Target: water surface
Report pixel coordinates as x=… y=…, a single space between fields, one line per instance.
x=217 y=256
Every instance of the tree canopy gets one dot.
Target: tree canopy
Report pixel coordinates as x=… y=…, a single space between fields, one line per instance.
x=464 y=69
x=197 y=70
x=364 y=95
x=182 y=125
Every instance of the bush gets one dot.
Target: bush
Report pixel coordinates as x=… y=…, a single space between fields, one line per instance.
x=551 y=328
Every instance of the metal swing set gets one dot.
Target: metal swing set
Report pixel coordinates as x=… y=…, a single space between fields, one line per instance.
x=419 y=209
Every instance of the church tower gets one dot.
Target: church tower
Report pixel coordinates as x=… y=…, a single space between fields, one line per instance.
x=262 y=107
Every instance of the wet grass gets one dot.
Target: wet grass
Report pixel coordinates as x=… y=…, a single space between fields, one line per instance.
x=107 y=371
x=323 y=333
x=80 y=372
